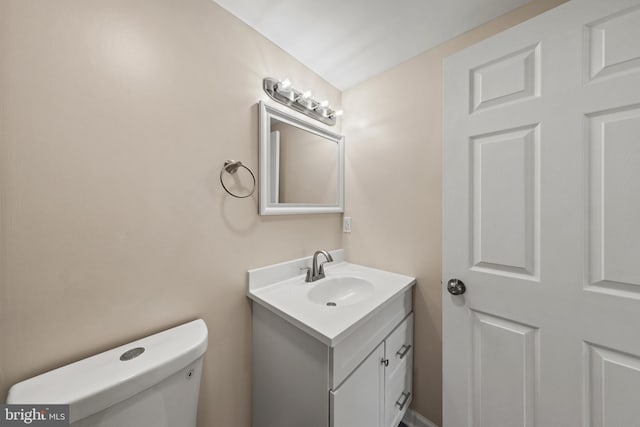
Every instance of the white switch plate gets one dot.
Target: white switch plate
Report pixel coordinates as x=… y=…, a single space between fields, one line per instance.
x=346 y=224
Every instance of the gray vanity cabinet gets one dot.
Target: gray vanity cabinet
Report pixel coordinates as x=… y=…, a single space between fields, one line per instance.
x=363 y=380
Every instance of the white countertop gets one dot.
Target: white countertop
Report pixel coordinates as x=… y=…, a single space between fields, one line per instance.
x=288 y=298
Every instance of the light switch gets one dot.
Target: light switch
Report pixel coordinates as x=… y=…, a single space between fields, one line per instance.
x=346 y=224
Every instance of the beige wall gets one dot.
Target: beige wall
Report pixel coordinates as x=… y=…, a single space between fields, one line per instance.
x=394 y=177
x=116 y=117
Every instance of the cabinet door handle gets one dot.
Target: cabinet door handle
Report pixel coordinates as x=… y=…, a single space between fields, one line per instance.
x=403 y=351
x=404 y=398
x=385 y=362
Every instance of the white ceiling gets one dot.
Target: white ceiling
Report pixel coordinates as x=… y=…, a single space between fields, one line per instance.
x=348 y=41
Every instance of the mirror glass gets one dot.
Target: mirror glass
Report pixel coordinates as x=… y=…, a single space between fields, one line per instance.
x=301 y=166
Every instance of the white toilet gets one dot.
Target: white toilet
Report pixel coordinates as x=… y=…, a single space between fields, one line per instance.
x=152 y=382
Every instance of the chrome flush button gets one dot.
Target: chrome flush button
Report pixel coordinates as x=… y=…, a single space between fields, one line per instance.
x=131 y=354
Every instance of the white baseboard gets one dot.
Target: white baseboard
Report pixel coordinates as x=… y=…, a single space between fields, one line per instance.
x=414 y=419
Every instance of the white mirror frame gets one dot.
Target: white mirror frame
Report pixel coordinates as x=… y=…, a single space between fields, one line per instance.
x=268 y=112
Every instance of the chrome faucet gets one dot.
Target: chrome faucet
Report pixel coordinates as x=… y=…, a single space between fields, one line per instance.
x=316 y=272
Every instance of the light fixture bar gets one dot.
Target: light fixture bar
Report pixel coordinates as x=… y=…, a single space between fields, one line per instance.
x=284 y=93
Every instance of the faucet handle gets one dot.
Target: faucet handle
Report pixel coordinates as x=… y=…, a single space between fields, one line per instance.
x=308 y=269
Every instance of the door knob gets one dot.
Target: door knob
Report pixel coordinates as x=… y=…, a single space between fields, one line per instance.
x=456 y=287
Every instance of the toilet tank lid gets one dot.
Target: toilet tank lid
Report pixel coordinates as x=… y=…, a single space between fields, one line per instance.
x=93 y=384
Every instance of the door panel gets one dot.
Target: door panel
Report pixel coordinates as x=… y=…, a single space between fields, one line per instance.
x=613 y=381
x=613 y=43
x=510 y=78
x=504 y=373
x=504 y=201
x=541 y=208
x=614 y=178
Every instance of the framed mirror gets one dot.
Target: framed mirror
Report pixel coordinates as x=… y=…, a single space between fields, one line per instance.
x=301 y=166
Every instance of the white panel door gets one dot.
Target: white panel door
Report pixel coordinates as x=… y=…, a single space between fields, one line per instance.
x=542 y=222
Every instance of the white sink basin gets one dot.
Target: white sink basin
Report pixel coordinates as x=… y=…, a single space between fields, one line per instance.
x=357 y=291
x=340 y=291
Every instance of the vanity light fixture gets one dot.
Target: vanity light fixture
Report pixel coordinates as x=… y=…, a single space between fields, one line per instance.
x=283 y=92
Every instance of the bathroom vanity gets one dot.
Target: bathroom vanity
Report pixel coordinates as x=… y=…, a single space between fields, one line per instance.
x=337 y=352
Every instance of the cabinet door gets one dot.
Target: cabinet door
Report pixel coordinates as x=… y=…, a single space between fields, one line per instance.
x=399 y=372
x=358 y=402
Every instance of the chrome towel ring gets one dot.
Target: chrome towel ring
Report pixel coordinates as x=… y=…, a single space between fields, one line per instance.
x=231 y=167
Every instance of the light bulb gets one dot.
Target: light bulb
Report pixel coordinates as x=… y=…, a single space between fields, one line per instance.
x=306 y=94
x=324 y=103
x=338 y=113
x=284 y=84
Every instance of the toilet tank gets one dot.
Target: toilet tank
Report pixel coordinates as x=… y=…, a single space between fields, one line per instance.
x=152 y=382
